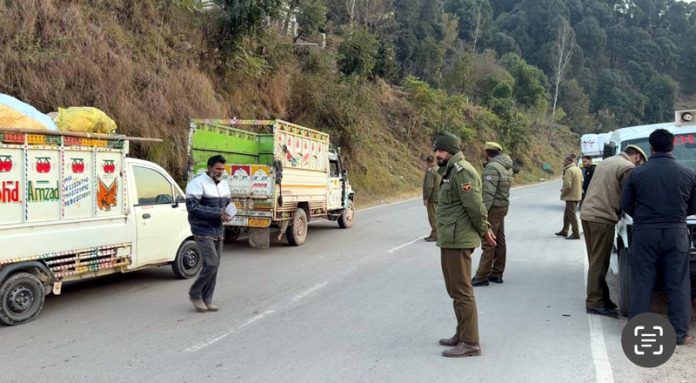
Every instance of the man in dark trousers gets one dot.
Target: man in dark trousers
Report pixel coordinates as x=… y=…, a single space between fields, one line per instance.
x=659 y=196
x=431 y=188
x=207 y=196
x=461 y=223
x=497 y=180
x=599 y=215
x=571 y=193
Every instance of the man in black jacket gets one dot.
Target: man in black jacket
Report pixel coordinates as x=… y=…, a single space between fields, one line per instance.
x=659 y=196
x=207 y=196
x=588 y=169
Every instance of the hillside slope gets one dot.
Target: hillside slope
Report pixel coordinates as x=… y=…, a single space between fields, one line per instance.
x=153 y=65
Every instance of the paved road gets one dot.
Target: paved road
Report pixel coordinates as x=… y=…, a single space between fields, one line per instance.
x=360 y=305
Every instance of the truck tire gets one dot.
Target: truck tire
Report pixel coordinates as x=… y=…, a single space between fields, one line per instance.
x=232 y=234
x=624 y=281
x=22 y=297
x=297 y=232
x=692 y=267
x=345 y=221
x=188 y=261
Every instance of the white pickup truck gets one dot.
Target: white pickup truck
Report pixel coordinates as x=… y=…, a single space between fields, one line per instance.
x=684 y=130
x=73 y=206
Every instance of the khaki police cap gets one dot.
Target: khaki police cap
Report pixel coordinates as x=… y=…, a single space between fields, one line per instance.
x=490 y=145
x=639 y=150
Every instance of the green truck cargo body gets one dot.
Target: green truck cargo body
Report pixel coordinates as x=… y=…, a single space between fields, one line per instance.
x=280 y=174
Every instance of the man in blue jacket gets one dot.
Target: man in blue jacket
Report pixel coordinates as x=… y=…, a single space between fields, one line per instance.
x=206 y=199
x=659 y=196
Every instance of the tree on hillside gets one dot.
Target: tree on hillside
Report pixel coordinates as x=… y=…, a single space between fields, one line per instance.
x=661 y=94
x=561 y=54
x=357 y=54
x=242 y=18
x=475 y=16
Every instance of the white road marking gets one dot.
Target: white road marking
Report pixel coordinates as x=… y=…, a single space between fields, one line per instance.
x=309 y=291
x=385 y=205
x=600 y=357
x=292 y=302
x=256 y=318
x=409 y=243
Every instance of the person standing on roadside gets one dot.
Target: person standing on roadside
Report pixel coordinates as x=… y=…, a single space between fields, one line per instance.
x=461 y=223
x=659 y=196
x=206 y=199
x=599 y=215
x=431 y=188
x=571 y=193
x=497 y=180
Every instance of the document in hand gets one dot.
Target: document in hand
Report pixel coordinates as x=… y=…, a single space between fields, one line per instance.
x=231 y=210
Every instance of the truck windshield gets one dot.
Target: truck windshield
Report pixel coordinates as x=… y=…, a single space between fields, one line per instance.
x=684 y=148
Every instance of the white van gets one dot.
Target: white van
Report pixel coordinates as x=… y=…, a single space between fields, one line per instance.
x=684 y=130
x=73 y=206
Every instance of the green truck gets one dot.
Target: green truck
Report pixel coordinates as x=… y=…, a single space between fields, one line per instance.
x=280 y=174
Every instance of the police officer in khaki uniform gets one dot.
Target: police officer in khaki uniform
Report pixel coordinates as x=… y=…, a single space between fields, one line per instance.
x=599 y=214
x=497 y=179
x=431 y=187
x=571 y=193
x=461 y=223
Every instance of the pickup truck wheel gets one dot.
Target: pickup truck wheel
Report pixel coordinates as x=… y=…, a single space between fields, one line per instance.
x=624 y=281
x=232 y=234
x=22 y=297
x=297 y=232
x=345 y=221
x=188 y=260
x=692 y=266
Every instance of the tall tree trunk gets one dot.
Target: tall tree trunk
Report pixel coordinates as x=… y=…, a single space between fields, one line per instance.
x=562 y=53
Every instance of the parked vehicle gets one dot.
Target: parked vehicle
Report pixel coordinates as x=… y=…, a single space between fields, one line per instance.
x=73 y=206
x=684 y=130
x=280 y=174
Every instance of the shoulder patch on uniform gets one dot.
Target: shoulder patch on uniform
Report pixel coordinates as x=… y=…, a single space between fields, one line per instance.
x=488 y=178
x=466 y=187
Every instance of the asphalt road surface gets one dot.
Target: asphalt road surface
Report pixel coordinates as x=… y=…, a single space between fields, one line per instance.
x=361 y=305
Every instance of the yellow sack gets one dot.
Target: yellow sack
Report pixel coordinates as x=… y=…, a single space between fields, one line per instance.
x=84 y=119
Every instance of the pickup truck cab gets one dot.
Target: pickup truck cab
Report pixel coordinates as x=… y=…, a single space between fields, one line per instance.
x=73 y=206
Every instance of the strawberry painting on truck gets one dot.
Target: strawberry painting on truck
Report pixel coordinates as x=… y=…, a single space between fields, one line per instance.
x=74 y=206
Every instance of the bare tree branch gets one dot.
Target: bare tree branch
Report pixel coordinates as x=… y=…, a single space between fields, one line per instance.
x=562 y=53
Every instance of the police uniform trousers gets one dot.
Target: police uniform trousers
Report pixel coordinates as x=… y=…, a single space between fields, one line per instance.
x=599 y=238
x=432 y=215
x=570 y=219
x=492 y=262
x=456 y=268
x=664 y=251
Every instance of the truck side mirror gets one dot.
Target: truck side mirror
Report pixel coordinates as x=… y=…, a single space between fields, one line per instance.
x=609 y=150
x=344 y=173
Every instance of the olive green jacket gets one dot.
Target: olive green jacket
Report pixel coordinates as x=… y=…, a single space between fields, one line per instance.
x=461 y=217
x=431 y=184
x=572 y=183
x=497 y=179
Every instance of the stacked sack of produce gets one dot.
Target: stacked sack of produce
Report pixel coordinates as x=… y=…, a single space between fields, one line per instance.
x=20 y=115
x=84 y=119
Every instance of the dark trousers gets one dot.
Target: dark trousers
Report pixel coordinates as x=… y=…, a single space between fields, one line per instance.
x=599 y=238
x=492 y=263
x=211 y=251
x=665 y=251
x=570 y=219
x=456 y=268
x=432 y=213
